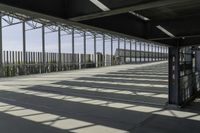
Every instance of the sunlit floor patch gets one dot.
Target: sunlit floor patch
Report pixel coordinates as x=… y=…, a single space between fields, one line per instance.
x=128 y=78
x=55 y=121
x=134 y=92
x=90 y=101
x=67 y=124
x=139 y=75
x=122 y=83
x=98 y=129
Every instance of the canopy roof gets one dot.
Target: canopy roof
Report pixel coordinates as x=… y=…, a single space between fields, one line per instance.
x=173 y=22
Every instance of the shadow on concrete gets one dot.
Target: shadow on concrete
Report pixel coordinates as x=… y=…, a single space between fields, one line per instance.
x=116 y=95
x=95 y=84
x=16 y=124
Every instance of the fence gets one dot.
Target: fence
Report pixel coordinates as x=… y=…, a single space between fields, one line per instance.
x=18 y=63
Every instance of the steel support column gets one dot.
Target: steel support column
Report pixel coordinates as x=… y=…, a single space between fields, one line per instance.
x=73 y=55
x=124 y=50
x=43 y=50
x=59 y=49
x=130 y=51
x=174 y=74
x=95 y=51
x=158 y=53
x=197 y=69
x=161 y=53
x=135 y=51
x=152 y=53
x=164 y=52
x=119 y=57
x=24 y=48
x=148 y=53
x=167 y=53
x=84 y=47
x=1 y=49
x=144 y=54
x=140 y=52
x=155 y=53
x=104 y=52
x=111 y=51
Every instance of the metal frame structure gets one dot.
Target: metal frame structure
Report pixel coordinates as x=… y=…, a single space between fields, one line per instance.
x=69 y=29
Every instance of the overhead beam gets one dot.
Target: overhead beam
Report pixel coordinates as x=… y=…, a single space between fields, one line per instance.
x=178 y=37
x=187 y=41
x=139 y=7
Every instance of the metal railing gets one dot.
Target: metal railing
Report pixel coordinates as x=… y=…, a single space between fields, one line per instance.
x=15 y=64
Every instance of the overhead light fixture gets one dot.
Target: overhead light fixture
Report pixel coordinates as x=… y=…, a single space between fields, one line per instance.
x=100 y=5
x=165 y=31
x=139 y=16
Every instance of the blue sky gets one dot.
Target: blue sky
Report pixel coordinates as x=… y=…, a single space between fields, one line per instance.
x=12 y=41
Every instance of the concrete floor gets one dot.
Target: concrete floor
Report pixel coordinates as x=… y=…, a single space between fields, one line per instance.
x=117 y=99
